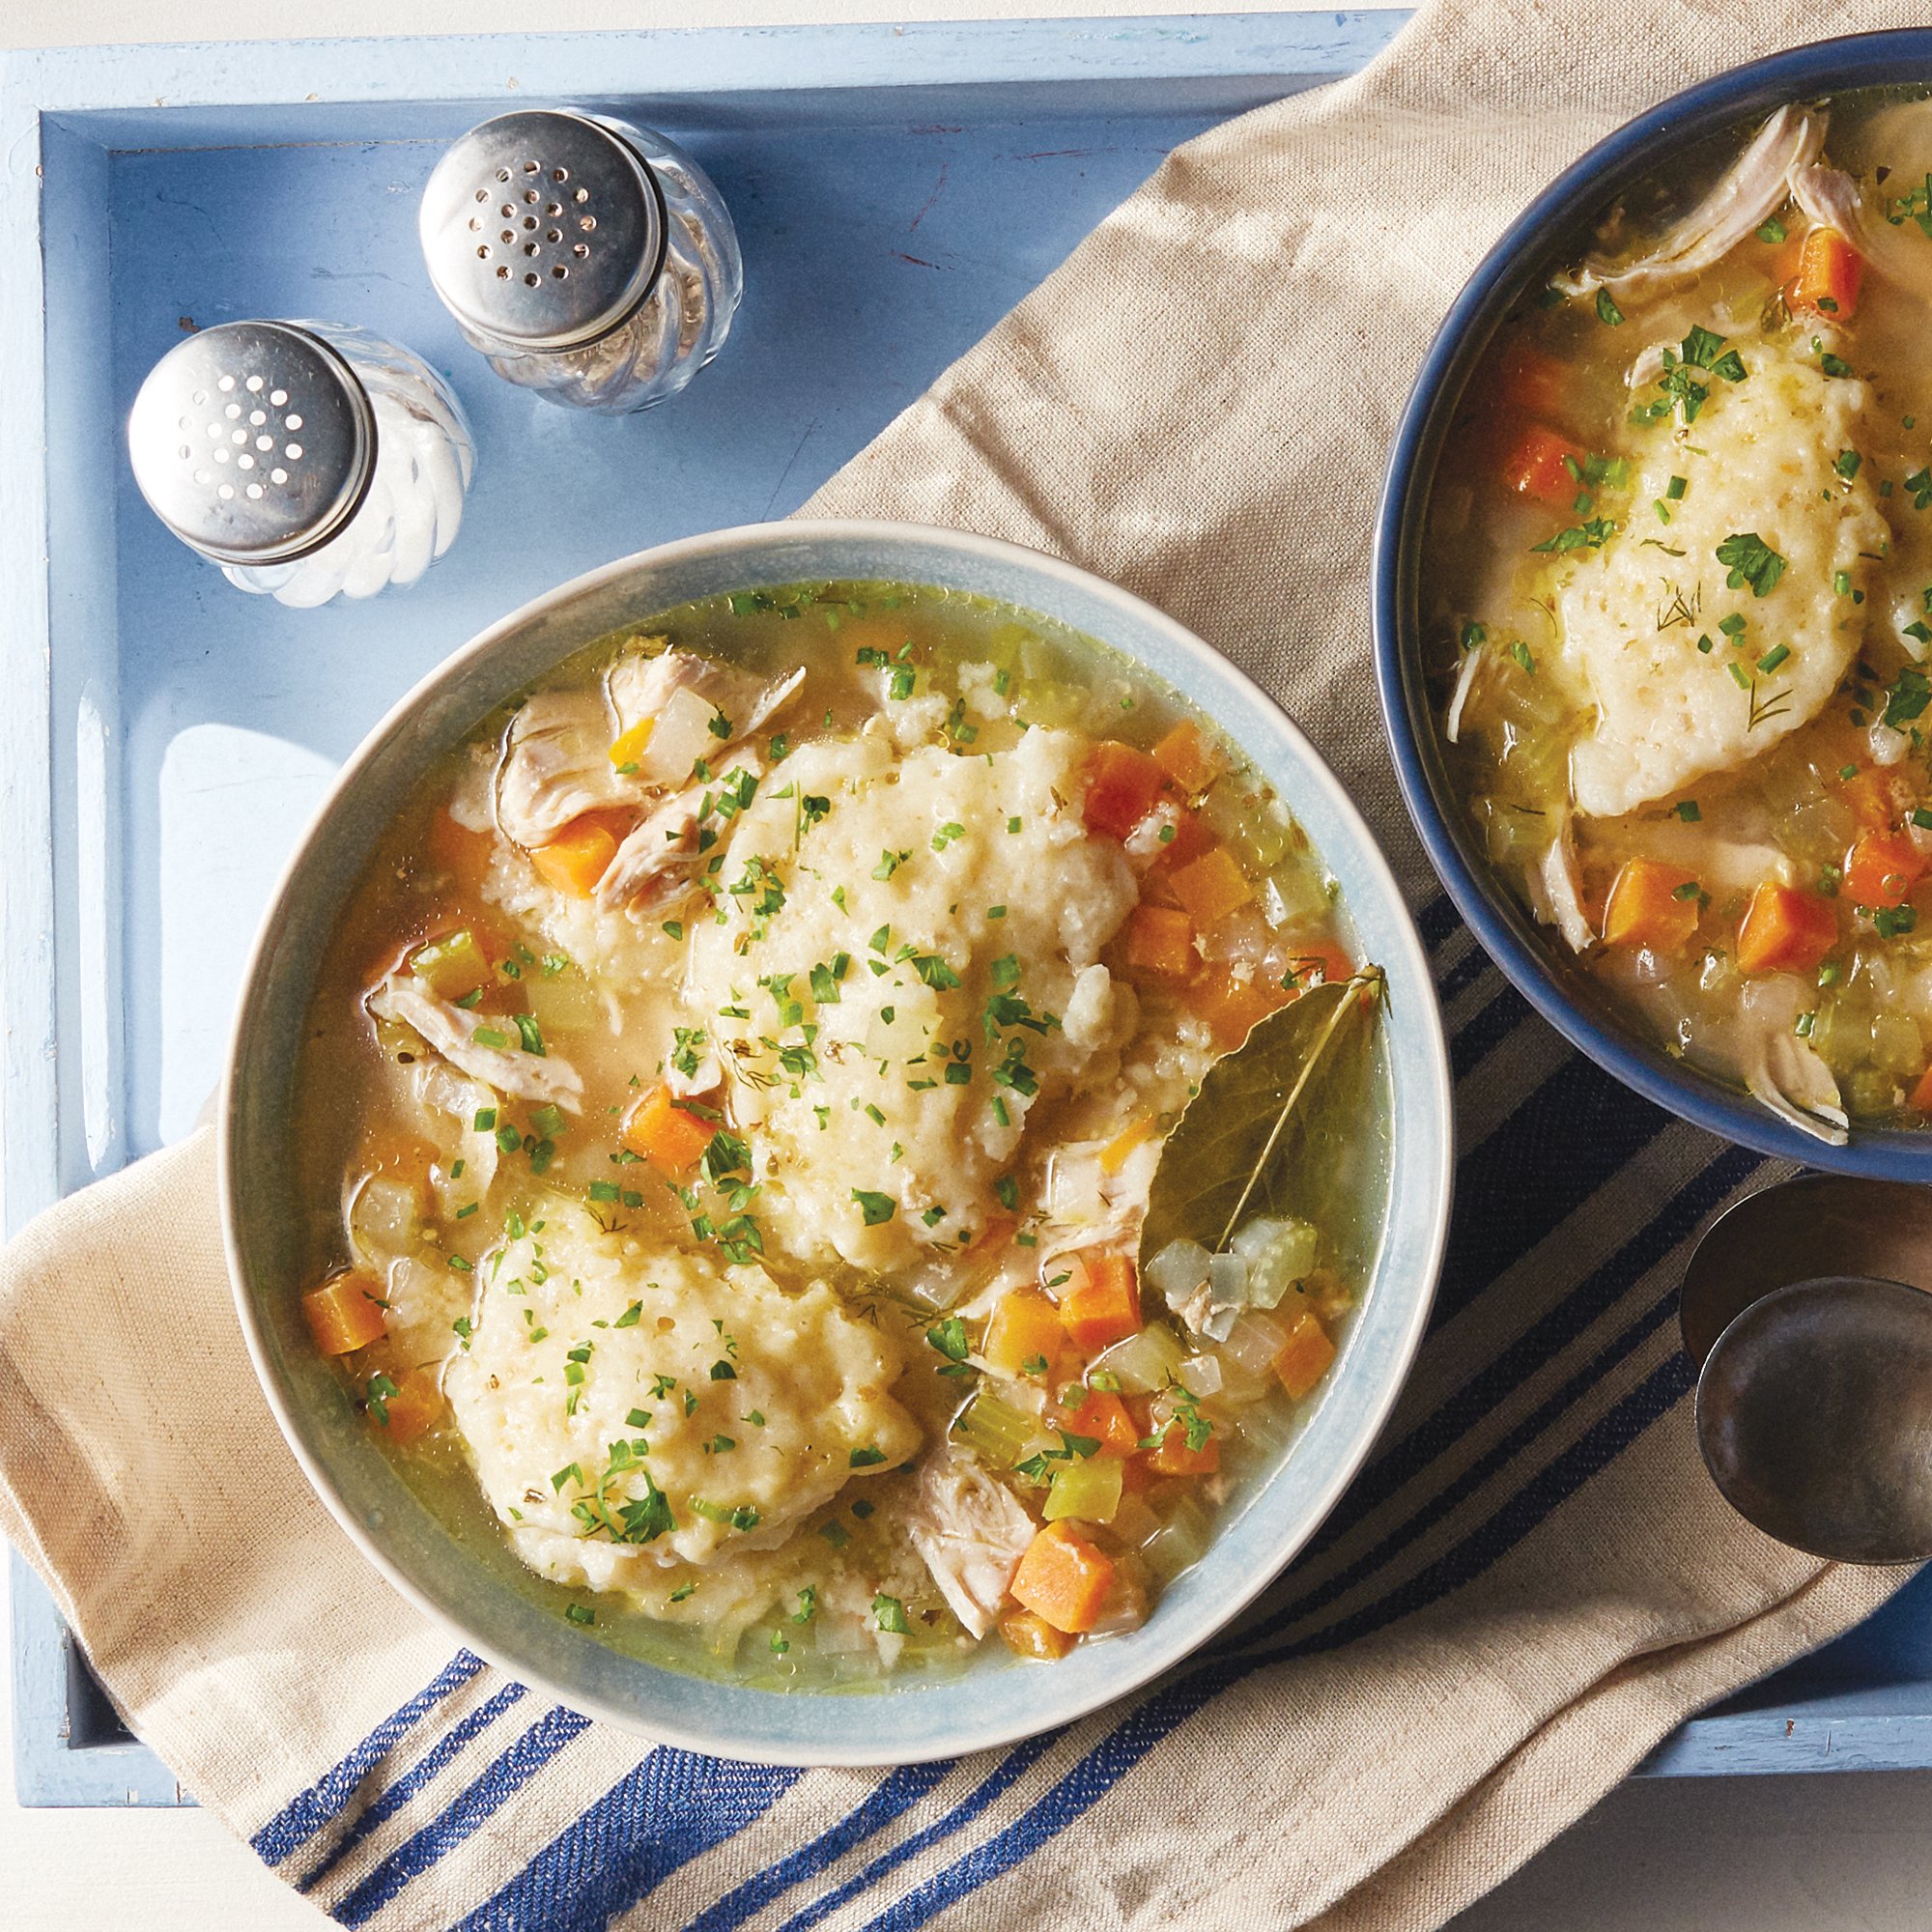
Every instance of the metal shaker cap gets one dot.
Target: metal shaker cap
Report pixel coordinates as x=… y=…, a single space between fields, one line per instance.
x=543 y=229
x=254 y=441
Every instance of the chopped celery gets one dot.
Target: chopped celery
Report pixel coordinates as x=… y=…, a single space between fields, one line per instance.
x=999 y=1432
x=1090 y=1490
x=563 y=1001
x=1143 y=1362
x=1051 y=703
x=1278 y=1253
x=453 y=966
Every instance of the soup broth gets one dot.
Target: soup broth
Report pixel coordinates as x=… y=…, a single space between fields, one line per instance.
x=733 y=1097
x=1678 y=602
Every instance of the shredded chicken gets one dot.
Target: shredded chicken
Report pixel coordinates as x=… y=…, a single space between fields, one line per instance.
x=1832 y=200
x=450 y=1030
x=971 y=1533
x=1467 y=673
x=660 y=849
x=557 y=766
x=556 y=761
x=1750 y=193
x=1787 y=1074
x=1556 y=890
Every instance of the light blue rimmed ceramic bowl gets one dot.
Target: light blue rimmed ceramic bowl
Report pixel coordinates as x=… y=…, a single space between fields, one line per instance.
x=472 y=1584
x=1551 y=232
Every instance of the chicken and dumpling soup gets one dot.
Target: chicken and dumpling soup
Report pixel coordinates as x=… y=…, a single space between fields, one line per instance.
x=734 y=1095
x=1678 y=606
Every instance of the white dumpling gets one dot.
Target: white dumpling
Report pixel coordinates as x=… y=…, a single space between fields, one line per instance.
x=1760 y=458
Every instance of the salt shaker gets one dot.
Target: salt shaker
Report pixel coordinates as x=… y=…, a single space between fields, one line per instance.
x=589 y=259
x=307 y=459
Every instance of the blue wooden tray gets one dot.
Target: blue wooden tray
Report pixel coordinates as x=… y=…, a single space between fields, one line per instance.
x=166 y=738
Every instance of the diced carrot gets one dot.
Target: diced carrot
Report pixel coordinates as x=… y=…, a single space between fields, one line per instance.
x=1100 y=1414
x=1104 y=1305
x=455 y=848
x=1650 y=906
x=345 y=1313
x=1873 y=798
x=1172 y=1457
x=1831 y=272
x=1921 y=1095
x=1882 y=868
x=1187 y=759
x=1063 y=1579
x=577 y=858
x=1232 y=1006
x=1191 y=838
x=1031 y=1635
x=416 y=1403
x=628 y=747
x=1303 y=1359
x=1786 y=931
x=1023 y=1334
x=1160 y=941
x=1212 y=887
x=671 y=1137
x=1122 y=786
x=1537 y=462
x=1115 y=1155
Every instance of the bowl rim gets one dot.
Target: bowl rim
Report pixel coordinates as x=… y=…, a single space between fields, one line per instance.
x=1892 y=56
x=1432 y=1079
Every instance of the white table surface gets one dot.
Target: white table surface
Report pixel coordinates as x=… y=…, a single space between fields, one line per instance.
x=1664 y=1855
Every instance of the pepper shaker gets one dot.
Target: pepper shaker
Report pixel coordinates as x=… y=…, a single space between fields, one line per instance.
x=307 y=459
x=589 y=259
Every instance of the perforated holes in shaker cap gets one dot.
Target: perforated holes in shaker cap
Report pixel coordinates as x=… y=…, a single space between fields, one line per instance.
x=542 y=229
x=254 y=441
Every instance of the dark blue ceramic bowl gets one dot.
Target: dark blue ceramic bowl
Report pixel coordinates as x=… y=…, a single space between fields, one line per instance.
x=1551 y=232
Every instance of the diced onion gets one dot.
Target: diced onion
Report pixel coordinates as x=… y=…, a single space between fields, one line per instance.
x=1201 y=1375
x=1254 y=1342
x=1178 y=1271
x=1181 y=1540
x=1143 y=1362
x=681 y=736
x=1073 y=1187
x=1227 y=1279
x=384 y=1215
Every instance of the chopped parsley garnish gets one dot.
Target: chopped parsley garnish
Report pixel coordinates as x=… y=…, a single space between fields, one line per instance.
x=876 y=1208
x=1607 y=312
x=580 y=1613
x=1906 y=697
x=868 y=1457
x=1751 y=562
x=889 y=1613
x=1687 y=809
x=1591 y=535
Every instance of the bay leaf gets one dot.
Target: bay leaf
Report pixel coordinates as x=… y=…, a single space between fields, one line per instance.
x=1269 y=1115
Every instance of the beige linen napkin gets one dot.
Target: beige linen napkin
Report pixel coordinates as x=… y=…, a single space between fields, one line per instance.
x=1531 y=1584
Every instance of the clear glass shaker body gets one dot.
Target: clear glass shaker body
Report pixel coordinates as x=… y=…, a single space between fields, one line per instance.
x=309 y=460
x=425 y=457
x=565 y=298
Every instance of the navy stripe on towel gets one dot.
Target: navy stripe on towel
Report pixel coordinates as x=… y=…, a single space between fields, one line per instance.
x=506 y=1776
x=392 y=1800
x=674 y=1807
x=302 y=1817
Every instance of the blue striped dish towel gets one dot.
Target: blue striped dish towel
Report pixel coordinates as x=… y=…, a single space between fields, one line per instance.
x=1531 y=1583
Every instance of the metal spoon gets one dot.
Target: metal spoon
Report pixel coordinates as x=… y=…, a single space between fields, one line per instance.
x=1814 y=1416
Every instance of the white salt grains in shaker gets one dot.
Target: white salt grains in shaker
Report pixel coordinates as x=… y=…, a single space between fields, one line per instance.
x=310 y=460
x=588 y=259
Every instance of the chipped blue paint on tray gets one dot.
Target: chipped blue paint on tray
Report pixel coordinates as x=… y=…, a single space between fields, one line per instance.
x=166 y=738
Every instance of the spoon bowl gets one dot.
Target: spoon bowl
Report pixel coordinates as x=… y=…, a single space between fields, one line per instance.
x=1814 y=1417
